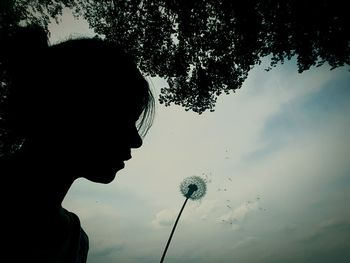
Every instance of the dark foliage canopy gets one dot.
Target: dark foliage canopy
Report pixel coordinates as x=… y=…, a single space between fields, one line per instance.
x=207 y=47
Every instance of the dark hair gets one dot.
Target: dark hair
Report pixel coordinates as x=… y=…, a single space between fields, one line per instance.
x=53 y=80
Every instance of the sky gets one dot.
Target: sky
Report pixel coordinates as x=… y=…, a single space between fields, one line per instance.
x=275 y=156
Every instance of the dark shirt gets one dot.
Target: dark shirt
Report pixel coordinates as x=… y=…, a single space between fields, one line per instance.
x=74 y=248
x=23 y=242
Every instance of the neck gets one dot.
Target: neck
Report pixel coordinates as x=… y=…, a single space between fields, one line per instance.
x=38 y=182
x=33 y=207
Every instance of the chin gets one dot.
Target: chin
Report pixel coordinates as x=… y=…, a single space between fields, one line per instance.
x=103 y=174
x=103 y=180
x=103 y=177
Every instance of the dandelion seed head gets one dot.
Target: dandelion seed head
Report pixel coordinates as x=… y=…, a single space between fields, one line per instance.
x=193 y=187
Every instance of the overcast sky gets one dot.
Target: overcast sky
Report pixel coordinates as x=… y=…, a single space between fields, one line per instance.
x=276 y=158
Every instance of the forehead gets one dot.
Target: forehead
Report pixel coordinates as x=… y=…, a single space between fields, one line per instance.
x=102 y=76
x=124 y=98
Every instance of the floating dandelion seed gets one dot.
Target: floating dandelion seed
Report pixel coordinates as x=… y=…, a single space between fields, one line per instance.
x=207 y=179
x=193 y=187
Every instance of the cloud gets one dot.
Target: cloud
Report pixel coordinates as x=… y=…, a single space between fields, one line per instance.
x=105 y=250
x=289 y=229
x=246 y=242
x=327 y=229
x=235 y=217
x=204 y=209
x=333 y=223
x=193 y=212
x=164 y=218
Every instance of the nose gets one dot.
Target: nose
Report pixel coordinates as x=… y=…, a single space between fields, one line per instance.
x=136 y=141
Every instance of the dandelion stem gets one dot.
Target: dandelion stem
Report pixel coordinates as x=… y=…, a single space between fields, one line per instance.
x=172 y=232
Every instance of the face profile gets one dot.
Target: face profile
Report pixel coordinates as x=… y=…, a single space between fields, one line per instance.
x=106 y=147
x=100 y=123
x=78 y=109
x=85 y=110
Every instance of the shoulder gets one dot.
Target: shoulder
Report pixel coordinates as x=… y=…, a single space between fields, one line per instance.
x=77 y=245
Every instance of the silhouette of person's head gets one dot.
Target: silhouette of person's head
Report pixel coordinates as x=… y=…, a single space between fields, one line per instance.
x=74 y=109
x=80 y=105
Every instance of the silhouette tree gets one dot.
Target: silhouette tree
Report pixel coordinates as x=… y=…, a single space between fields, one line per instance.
x=206 y=48
x=12 y=14
x=40 y=12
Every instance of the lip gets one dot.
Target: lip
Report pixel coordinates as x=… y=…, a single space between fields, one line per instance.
x=127 y=158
